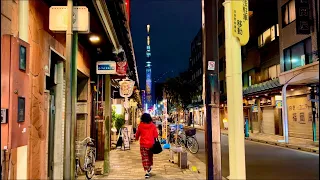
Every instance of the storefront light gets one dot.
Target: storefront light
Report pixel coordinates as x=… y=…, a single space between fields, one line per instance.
x=291 y=89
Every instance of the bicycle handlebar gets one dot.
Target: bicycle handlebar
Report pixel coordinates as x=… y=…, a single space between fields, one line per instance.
x=85 y=140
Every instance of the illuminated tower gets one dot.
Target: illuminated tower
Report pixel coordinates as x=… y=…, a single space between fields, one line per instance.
x=148 y=70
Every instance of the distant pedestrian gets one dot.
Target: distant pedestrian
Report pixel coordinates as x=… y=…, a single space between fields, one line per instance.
x=147 y=132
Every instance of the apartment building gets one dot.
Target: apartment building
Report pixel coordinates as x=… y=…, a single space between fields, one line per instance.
x=299 y=64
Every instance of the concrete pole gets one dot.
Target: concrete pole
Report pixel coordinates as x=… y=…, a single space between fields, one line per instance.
x=67 y=174
x=237 y=163
x=285 y=114
x=107 y=116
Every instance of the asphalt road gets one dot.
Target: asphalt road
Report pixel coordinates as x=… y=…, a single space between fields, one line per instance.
x=268 y=162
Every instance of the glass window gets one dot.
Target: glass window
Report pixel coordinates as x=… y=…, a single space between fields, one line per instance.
x=287 y=60
x=278 y=69
x=277 y=30
x=308 y=51
x=292 y=11
x=288 y=13
x=273 y=72
x=285 y=15
x=297 y=55
x=266 y=36
x=296 y=52
x=273 y=33
x=22 y=58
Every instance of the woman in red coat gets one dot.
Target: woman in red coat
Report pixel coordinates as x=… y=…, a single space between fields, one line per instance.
x=147 y=132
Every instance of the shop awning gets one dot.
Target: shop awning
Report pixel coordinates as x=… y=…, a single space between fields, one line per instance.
x=262 y=87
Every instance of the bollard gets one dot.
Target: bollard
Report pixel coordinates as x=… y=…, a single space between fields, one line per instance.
x=182 y=160
x=246 y=127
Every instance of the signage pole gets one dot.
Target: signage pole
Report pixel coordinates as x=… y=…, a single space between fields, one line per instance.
x=107 y=118
x=68 y=173
x=235 y=37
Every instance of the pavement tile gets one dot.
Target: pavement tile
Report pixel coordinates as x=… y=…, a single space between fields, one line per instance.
x=127 y=165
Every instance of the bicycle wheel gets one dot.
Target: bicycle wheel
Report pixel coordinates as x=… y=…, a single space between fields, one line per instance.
x=90 y=166
x=192 y=145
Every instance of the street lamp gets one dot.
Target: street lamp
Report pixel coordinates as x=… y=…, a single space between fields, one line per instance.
x=94 y=38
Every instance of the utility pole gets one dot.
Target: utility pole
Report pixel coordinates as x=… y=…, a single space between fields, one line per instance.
x=237 y=34
x=68 y=173
x=210 y=53
x=107 y=121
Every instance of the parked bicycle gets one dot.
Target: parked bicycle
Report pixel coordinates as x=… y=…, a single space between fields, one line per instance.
x=89 y=157
x=185 y=138
x=188 y=140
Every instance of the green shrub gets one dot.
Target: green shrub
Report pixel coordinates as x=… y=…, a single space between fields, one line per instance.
x=117 y=120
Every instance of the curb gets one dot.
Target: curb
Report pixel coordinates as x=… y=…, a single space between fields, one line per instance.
x=290 y=146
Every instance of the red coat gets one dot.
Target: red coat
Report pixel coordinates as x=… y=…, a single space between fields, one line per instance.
x=147 y=134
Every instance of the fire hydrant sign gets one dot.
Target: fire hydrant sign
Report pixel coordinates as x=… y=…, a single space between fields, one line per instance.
x=240 y=20
x=211 y=65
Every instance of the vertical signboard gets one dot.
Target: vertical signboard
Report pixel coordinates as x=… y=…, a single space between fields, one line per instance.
x=240 y=20
x=302 y=16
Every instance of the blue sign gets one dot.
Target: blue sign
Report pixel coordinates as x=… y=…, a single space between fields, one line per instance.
x=105 y=67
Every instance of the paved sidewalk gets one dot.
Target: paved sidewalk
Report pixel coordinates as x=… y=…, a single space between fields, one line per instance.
x=127 y=165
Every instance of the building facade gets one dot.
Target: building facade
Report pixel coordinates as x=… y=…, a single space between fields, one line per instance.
x=33 y=86
x=196 y=110
x=299 y=64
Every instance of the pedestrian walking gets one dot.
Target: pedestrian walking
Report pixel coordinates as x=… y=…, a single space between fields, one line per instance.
x=147 y=133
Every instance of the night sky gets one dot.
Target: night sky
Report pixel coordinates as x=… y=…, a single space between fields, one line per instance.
x=174 y=23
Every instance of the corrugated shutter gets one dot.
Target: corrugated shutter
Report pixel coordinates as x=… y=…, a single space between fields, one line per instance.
x=268 y=126
x=300 y=117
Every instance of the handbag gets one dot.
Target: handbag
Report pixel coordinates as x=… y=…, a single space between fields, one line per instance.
x=156 y=148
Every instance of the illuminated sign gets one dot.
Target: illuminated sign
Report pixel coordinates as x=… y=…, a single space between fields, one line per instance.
x=126 y=88
x=106 y=67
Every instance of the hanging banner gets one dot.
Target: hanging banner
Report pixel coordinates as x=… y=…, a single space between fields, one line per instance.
x=122 y=68
x=240 y=20
x=126 y=88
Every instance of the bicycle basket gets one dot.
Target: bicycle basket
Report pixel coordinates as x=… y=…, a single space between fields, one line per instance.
x=190 y=132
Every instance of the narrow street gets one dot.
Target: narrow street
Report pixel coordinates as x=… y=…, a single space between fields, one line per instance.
x=268 y=162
